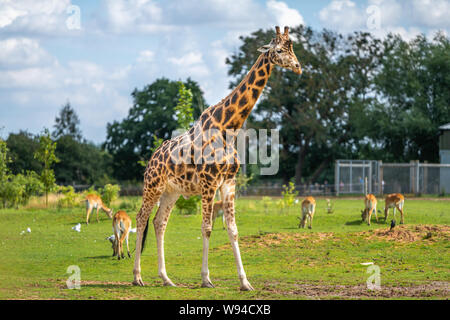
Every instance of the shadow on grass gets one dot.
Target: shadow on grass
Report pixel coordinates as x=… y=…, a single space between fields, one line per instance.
x=359 y=222
x=99 y=257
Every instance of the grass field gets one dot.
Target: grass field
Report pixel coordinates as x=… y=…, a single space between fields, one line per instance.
x=281 y=261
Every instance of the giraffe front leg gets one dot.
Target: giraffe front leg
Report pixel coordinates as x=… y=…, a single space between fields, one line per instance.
x=207 y=208
x=160 y=222
x=141 y=224
x=228 y=191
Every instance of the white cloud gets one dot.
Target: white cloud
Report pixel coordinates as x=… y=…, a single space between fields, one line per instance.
x=134 y=16
x=34 y=17
x=407 y=18
x=190 y=64
x=432 y=13
x=146 y=56
x=22 y=52
x=342 y=14
x=284 y=15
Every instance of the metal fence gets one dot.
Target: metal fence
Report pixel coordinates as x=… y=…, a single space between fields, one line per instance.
x=384 y=178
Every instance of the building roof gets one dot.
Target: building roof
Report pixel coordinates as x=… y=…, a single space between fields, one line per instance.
x=445 y=127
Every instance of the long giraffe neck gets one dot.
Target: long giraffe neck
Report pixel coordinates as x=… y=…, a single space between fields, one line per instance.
x=232 y=111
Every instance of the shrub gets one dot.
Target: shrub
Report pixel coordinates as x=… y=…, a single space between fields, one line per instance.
x=188 y=206
x=267 y=201
x=289 y=194
x=70 y=199
x=110 y=193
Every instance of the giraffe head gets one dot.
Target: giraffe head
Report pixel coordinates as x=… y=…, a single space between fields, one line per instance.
x=281 y=51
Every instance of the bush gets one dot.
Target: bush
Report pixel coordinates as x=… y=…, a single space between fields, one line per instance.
x=70 y=199
x=17 y=189
x=289 y=194
x=110 y=193
x=188 y=206
x=267 y=201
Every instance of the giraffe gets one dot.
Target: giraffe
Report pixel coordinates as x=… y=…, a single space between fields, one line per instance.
x=207 y=168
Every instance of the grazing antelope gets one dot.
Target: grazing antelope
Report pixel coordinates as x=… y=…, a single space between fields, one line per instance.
x=370 y=203
x=396 y=201
x=121 y=227
x=218 y=206
x=308 y=209
x=93 y=201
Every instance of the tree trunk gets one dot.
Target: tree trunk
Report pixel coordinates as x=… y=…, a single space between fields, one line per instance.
x=300 y=164
x=319 y=170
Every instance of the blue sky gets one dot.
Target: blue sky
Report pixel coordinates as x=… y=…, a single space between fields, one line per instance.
x=45 y=60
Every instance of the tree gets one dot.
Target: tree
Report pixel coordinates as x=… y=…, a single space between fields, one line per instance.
x=81 y=162
x=67 y=123
x=413 y=98
x=150 y=118
x=183 y=109
x=22 y=147
x=4 y=171
x=310 y=111
x=46 y=155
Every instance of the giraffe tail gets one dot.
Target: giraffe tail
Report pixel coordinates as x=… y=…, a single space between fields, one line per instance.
x=144 y=237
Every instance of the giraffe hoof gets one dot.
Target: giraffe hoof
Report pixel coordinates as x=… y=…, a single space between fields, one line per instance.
x=169 y=284
x=246 y=286
x=138 y=283
x=207 y=284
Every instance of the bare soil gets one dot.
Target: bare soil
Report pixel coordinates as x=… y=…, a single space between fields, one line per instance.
x=319 y=291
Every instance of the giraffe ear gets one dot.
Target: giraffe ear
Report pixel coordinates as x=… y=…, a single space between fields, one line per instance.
x=265 y=48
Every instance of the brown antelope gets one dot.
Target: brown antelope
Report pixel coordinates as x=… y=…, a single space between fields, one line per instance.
x=308 y=209
x=218 y=206
x=370 y=202
x=394 y=200
x=93 y=201
x=121 y=227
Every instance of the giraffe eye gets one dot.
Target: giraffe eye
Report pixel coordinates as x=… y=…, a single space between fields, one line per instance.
x=279 y=50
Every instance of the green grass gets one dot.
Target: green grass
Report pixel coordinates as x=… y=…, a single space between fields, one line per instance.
x=33 y=265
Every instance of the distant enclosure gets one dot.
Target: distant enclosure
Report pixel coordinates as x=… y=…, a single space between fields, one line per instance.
x=350 y=176
x=383 y=178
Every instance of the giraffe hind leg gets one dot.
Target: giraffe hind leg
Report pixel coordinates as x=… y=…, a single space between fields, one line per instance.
x=150 y=198
x=160 y=220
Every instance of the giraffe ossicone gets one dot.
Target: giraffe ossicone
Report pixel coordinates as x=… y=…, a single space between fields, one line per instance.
x=203 y=173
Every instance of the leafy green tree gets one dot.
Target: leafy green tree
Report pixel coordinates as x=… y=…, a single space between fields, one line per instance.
x=46 y=155
x=184 y=110
x=81 y=162
x=185 y=119
x=67 y=123
x=22 y=146
x=309 y=110
x=4 y=171
x=150 y=118
x=413 y=98
x=110 y=193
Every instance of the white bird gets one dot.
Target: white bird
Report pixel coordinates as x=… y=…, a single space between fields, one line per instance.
x=367 y=263
x=133 y=230
x=77 y=228
x=111 y=238
x=28 y=230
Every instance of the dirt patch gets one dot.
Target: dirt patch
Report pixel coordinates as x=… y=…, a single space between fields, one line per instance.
x=320 y=291
x=430 y=233
x=268 y=240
